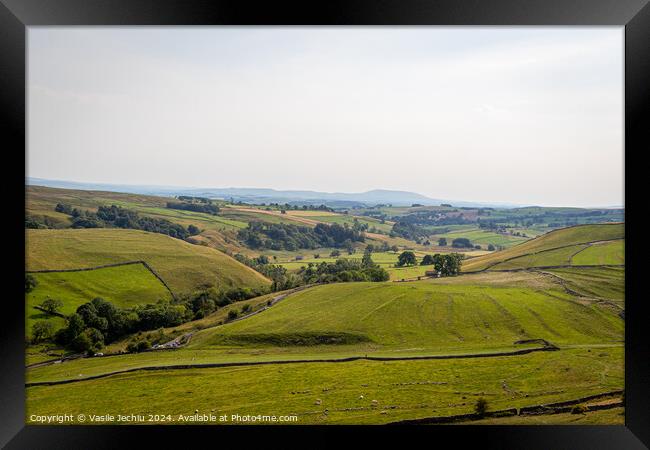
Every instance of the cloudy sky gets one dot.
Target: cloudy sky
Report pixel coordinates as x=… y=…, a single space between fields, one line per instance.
x=521 y=115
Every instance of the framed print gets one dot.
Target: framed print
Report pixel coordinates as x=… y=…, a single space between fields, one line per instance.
x=383 y=218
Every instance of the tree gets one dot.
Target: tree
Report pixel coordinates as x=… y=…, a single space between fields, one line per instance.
x=30 y=283
x=193 y=230
x=461 y=243
x=406 y=258
x=427 y=260
x=51 y=305
x=366 y=260
x=442 y=242
x=75 y=326
x=41 y=330
x=481 y=407
x=232 y=314
x=491 y=247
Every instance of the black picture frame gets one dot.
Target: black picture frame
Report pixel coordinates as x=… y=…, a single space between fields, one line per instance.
x=16 y=15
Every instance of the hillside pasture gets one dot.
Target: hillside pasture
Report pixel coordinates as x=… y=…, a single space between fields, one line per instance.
x=430 y=317
x=563 y=237
x=124 y=286
x=599 y=282
x=602 y=253
x=185 y=267
x=359 y=392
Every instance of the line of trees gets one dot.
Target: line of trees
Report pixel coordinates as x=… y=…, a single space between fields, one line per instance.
x=207 y=208
x=118 y=217
x=281 y=236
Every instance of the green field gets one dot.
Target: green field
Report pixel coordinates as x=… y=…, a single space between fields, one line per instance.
x=341 y=353
x=124 y=286
x=429 y=316
x=599 y=282
x=481 y=237
x=555 y=257
x=601 y=254
x=185 y=267
x=565 y=237
x=338 y=393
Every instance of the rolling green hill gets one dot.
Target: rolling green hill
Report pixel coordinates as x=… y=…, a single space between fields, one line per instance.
x=421 y=316
x=557 y=247
x=124 y=286
x=184 y=266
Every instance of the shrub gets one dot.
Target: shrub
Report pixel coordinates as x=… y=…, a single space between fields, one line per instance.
x=232 y=314
x=41 y=330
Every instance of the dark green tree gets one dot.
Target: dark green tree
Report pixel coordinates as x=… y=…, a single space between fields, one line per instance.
x=41 y=331
x=52 y=305
x=406 y=258
x=30 y=283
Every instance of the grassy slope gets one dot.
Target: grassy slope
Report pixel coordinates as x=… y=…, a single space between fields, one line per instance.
x=124 y=286
x=430 y=316
x=555 y=257
x=601 y=282
x=182 y=265
x=558 y=238
x=601 y=254
x=402 y=389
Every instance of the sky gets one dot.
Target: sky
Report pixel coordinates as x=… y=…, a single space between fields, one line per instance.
x=524 y=115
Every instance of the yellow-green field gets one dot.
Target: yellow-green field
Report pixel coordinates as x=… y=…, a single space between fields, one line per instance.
x=342 y=393
x=184 y=266
x=539 y=322
x=124 y=286
x=554 y=246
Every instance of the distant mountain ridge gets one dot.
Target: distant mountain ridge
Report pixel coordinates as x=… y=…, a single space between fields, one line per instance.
x=266 y=195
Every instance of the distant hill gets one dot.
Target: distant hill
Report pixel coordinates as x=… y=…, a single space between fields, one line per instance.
x=256 y=195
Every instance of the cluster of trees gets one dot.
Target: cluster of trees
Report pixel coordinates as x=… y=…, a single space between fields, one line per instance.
x=409 y=231
x=99 y=322
x=384 y=247
x=295 y=207
x=39 y=222
x=115 y=216
x=461 y=243
x=280 y=236
x=189 y=198
x=207 y=208
x=281 y=278
x=343 y=270
x=433 y=218
x=445 y=265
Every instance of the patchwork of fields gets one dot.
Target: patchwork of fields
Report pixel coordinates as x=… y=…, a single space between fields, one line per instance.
x=538 y=322
x=182 y=265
